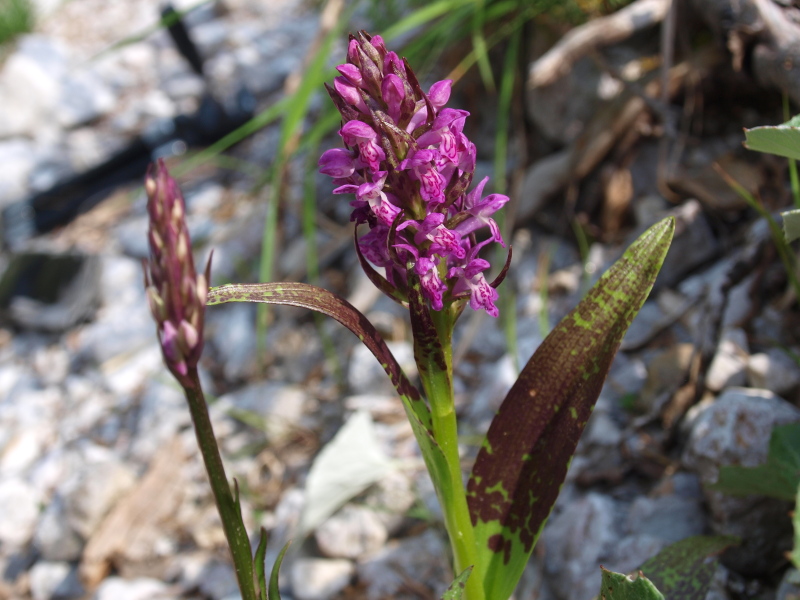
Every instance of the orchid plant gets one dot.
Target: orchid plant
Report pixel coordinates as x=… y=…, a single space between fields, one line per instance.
x=409 y=168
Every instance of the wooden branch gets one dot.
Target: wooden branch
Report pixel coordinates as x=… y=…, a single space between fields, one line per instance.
x=762 y=30
x=556 y=62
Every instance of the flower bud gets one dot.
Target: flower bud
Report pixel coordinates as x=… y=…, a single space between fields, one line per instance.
x=176 y=293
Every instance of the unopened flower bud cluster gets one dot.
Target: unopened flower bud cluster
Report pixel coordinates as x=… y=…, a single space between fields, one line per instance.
x=177 y=294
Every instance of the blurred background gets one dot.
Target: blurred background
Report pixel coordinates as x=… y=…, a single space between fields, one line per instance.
x=597 y=118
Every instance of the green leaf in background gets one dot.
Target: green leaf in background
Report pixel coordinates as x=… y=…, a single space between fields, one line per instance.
x=616 y=586
x=783 y=139
x=456 y=589
x=777 y=478
x=259 y=564
x=524 y=458
x=791 y=225
x=684 y=570
x=274 y=593
x=794 y=555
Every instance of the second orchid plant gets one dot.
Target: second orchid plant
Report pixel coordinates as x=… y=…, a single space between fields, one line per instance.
x=408 y=168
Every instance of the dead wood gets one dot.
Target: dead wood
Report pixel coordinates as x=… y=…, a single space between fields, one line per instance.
x=134 y=523
x=579 y=42
x=762 y=37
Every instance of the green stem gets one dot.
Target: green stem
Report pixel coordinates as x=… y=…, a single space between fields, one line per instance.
x=438 y=386
x=227 y=506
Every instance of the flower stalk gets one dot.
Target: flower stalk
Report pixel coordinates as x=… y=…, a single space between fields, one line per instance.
x=177 y=296
x=409 y=166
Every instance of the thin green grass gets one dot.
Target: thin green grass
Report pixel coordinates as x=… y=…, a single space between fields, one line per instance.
x=792 y=162
x=504 y=102
x=784 y=250
x=310 y=212
x=583 y=252
x=545 y=261
x=317 y=72
x=16 y=17
x=479 y=45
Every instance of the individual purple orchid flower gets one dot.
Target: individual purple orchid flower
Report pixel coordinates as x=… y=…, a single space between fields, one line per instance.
x=356 y=133
x=410 y=166
x=422 y=167
x=480 y=210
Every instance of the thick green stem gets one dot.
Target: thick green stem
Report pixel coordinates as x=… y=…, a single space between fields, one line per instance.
x=229 y=512
x=438 y=386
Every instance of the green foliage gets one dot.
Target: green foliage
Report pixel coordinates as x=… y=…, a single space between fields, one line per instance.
x=16 y=17
x=259 y=565
x=616 y=586
x=791 y=225
x=781 y=241
x=681 y=571
x=524 y=458
x=778 y=477
x=456 y=589
x=783 y=139
x=273 y=591
x=684 y=570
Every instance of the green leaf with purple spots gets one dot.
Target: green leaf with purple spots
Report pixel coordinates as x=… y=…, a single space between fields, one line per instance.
x=684 y=570
x=616 y=586
x=524 y=458
x=456 y=589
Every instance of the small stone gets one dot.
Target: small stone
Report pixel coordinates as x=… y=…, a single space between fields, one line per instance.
x=89 y=494
x=18 y=159
x=320 y=578
x=51 y=364
x=391 y=498
x=365 y=374
x=19 y=505
x=217 y=580
x=669 y=518
x=633 y=550
x=352 y=532
x=232 y=334
x=55 y=539
x=575 y=541
x=162 y=413
x=693 y=245
x=421 y=559
x=728 y=366
x=279 y=406
x=735 y=430
x=773 y=370
x=789 y=588
x=143 y=588
x=54 y=580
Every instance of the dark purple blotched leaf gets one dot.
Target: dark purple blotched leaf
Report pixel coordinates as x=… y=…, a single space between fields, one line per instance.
x=524 y=458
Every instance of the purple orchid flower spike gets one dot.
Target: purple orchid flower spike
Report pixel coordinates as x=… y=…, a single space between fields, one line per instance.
x=410 y=166
x=176 y=292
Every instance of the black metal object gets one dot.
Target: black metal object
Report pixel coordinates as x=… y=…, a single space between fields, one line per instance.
x=59 y=205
